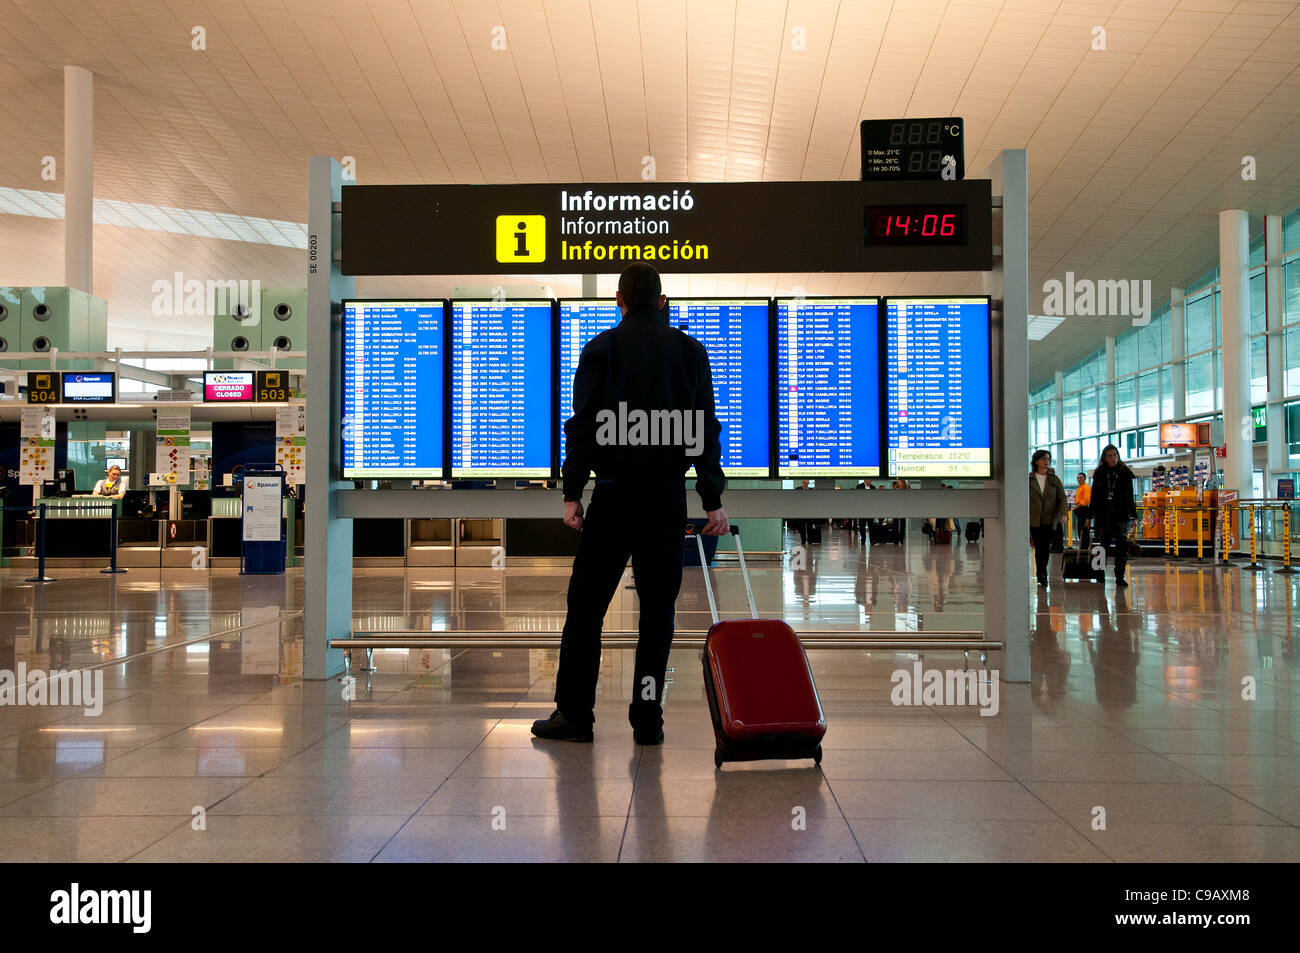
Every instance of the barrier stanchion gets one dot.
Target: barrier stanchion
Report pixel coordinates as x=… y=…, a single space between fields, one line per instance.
x=40 y=548
x=1286 y=540
x=112 y=542
x=1173 y=519
x=1200 y=534
x=1225 y=527
x=1254 y=553
x=1069 y=528
x=1165 y=521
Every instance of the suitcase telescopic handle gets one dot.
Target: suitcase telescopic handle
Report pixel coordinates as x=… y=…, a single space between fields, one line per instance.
x=744 y=571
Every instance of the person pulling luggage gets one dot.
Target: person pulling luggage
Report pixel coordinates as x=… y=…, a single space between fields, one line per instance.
x=638 y=507
x=1046 y=510
x=1113 y=508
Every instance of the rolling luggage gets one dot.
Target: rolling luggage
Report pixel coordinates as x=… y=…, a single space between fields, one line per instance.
x=759 y=685
x=814 y=532
x=1076 y=565
x=973 y=528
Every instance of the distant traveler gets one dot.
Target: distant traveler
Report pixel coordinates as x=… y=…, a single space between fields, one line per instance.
x=1046 y=510
x=638 y=507
x=113 y=486
x=1112 y=506
x=1081 y=511
x=800 y=526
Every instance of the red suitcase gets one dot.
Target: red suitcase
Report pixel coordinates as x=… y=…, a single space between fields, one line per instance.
x=759 y=685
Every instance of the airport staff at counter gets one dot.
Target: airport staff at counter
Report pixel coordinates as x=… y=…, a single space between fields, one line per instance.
x=113 y=486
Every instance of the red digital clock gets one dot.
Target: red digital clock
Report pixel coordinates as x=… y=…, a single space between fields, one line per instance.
x=915 y=225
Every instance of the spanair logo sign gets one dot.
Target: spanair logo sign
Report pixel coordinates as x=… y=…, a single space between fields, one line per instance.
x=521 y=238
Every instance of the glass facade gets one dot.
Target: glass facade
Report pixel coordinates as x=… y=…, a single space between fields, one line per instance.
x=1142 y=389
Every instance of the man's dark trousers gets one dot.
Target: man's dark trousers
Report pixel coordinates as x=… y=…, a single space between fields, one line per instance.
x=647 y=521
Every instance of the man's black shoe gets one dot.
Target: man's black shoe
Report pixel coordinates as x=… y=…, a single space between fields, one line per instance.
x=559 y=728
x=648 y=738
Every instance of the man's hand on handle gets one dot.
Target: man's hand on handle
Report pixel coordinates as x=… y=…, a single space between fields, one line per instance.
x=573 y=514
x=717 y=524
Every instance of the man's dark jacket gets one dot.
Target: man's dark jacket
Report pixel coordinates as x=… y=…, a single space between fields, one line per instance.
x=648 y=365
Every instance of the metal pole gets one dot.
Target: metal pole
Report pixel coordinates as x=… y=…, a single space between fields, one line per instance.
x=40 y=552
x=1200 y=534
x=1254 y=553
x=1286 y=540
x=112 y=542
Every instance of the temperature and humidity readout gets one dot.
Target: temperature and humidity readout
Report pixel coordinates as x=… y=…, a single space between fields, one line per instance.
x=580 y=321
x=939 y=420
x=501 y=388
x=828 y=387
x=736 y=336
x=393 y=389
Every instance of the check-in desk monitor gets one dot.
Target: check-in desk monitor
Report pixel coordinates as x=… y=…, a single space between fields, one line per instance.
x=394 y=389
x=828 y=387
x=502 y=401
x=736 y=333
x=938 y=404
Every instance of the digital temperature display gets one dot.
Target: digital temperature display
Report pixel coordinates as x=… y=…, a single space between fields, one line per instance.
x=915 y=225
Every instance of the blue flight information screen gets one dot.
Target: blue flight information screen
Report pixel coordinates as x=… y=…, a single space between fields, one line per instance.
x=501 y=388
x=828 y=387
x=939 y=420
x=580 y=321
x=735 y=336
x=393 y=389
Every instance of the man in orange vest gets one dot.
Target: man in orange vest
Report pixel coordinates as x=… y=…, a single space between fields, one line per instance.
x=1082 y=498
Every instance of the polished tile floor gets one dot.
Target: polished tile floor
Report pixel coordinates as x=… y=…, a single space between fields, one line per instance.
x=1169 y=710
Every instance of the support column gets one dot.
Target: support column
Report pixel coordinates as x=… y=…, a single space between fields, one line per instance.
x=1007 y=571
x=1234 y=287
x=589 y=286
x=78 y=177
x=328 y=537
x=1058 y=392
x=1112 y=419
x=1178 y=348
x=1277 y=455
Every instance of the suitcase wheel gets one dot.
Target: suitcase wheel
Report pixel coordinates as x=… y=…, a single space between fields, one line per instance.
x=718 y=758
x=817 y=755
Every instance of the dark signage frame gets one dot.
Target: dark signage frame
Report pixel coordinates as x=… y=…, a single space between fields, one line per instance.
x=745 y=227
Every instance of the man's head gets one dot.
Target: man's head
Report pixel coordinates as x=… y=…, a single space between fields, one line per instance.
x=1082 y=478
x=639 y=287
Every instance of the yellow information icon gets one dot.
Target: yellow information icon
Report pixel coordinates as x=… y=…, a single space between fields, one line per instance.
x=521 y=238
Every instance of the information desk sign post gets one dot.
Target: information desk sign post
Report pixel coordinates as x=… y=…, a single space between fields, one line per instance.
x=262 y=541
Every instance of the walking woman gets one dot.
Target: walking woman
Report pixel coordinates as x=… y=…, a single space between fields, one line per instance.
x=1046 y=510
x=1112 y=507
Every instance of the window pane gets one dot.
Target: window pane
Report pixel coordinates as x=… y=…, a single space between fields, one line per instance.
x=1197 y=325
x=1291 y=363
x=1071 y=420
x=1125 y=404
x=1199 y=377
x=1258 y=371
x=1257 y=304
x=1166 y=393
x=1149 y=397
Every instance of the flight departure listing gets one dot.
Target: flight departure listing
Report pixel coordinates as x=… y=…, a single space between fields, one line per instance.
x=828 y=387
x=735 y=336
x=501 y=388
x=393 y=389
x=580 y=321
x=939 y=420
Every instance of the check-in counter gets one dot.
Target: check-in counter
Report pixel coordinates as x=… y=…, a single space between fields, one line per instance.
x=479 y=541
x=378 y=543
x=78 y=534
x=179 y=539
x=432 y=542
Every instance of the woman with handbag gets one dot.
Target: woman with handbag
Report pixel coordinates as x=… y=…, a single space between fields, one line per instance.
x=1046 y=510
x=1112 y=507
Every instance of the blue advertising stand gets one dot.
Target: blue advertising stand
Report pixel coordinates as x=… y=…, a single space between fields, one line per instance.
x=262 y=542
